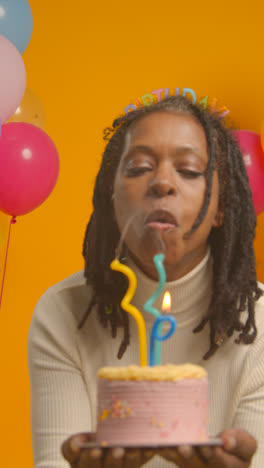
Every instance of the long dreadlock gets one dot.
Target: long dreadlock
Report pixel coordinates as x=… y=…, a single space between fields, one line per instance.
x=235 y=286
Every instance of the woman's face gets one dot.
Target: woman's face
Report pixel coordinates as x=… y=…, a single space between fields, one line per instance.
x=159 y=190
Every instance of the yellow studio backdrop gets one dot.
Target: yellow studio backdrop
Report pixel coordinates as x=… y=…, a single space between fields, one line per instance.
x=86 y=61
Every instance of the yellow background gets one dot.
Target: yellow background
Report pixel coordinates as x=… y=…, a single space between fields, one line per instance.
x=86 y=61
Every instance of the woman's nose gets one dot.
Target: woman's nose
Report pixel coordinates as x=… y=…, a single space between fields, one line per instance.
x=163 y=183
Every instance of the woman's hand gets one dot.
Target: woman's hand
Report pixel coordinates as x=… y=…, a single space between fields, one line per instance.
x=74 y=451
x=236 y=452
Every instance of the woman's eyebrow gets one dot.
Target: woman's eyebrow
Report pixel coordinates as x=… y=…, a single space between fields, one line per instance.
x=191 y=152
x=180 y=150
x=141 y=148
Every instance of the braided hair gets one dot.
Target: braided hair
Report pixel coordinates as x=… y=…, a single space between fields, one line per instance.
x=234 y=288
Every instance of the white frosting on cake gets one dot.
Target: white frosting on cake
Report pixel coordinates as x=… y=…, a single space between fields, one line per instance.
x=153 y=405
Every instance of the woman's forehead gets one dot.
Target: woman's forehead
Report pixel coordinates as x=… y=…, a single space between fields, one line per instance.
x=159 y=128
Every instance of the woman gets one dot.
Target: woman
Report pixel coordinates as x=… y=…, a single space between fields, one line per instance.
x=172 y=179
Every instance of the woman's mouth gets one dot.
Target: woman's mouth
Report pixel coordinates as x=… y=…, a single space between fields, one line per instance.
x=161 y=220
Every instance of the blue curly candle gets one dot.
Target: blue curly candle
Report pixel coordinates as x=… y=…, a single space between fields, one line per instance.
x=148 y=306
x=156 y=332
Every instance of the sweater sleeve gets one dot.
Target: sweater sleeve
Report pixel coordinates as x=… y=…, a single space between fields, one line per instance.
x=250 y=410
x=60 y=403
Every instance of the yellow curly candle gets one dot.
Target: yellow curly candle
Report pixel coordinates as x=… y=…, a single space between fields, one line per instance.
x=125 y=304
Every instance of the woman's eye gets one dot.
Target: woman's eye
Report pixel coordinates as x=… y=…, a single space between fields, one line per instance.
x=190 y=174
x=137 y=170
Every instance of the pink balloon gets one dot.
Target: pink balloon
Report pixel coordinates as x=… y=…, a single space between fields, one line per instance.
x=250 y=147
x=29 y=167
x=12 y=79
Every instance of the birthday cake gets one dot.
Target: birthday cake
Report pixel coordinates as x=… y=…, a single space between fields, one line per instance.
x=156 y=405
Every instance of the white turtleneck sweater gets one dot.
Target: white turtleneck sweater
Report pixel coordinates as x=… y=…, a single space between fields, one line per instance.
x=63 y=362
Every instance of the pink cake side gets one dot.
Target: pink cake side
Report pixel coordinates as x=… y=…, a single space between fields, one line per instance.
x=152 y=412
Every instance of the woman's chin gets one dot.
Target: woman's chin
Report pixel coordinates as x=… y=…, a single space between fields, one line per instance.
x=177 y=263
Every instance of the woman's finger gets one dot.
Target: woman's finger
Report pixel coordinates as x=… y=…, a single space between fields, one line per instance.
x=205 y=453
x=222 y=459
x=114 y=458
x=71 y=448
x=240 y=443
x=91 y=458
x=132 y=458
x=190 y=456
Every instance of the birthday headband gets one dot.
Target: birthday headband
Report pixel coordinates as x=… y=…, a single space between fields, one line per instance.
x=162 y=93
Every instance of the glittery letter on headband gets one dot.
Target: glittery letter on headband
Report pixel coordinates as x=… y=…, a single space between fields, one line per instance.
x=139 y=103
x=157 y=93
x=204 y=102
x=129 y=108
x=190 y=91
x=147 y=99
x=217 y=111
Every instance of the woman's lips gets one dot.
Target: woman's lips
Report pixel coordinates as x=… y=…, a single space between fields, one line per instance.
x=160 y=226
x=161 y=220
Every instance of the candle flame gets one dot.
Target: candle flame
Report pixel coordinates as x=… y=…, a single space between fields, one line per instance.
x=166 y=303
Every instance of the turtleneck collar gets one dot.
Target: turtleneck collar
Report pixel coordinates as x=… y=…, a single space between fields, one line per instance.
x=190 y=295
